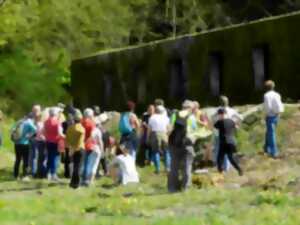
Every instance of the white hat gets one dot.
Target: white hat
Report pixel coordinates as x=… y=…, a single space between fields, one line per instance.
x=160 y=109
x=187 y=104
x=88 y=113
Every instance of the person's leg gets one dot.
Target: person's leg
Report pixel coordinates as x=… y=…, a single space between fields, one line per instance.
x=85 y=166
x=220 y=158
x=33 y=156
x=50 y=158
x=75 y=180
x=95 y=163
x=41 y=159
x=156 y=161
x=67 y=164
x=56 y=159
x=173 y=176
x=229 y=151
x=187 y=171
x=25 y=157
x=167 y=158
x=18 y=155
x=272 y=139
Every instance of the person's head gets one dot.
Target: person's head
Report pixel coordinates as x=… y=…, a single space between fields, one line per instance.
x=187 y=105
x=77 y=116
x=36 y=110
x=88 y=113
x=61 y=106
x=53 y=112
x=130 y=106
x=159 y=101
x=270 y=85
x=224 y=101
x=196 y=106
x=151 y=109
x=121 y=150
x=221 y=113
x=159 y=109
x=97 y=110
x=70 y=116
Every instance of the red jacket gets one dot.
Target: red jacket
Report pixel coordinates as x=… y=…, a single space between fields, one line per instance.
x=51 y=130
x=89 y=125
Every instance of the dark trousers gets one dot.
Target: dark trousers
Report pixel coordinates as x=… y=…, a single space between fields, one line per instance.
x=53 y=158
x=180 y=175
x=22 y=154
x=75 y=180
x=42 y=159
x=227 y=149
x=66 y=162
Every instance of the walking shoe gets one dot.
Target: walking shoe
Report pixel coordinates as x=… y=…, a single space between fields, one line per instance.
x=26 y=179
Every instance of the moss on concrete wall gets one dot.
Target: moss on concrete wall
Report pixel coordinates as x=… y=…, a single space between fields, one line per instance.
x=152 y=62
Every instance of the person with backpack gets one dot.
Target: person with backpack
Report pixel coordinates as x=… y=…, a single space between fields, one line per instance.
x=181 y=148
x=21 y=135
x=227 y=144
x=75 y=143
x=158 y=138
x=273 y=107
x=128 y=126
x=53 y=132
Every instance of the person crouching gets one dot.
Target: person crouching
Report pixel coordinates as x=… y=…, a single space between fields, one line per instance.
x=123 y=169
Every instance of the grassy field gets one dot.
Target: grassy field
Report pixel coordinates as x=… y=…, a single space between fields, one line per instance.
x=268 y=194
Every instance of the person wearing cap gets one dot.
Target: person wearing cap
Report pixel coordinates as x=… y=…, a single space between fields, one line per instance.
x=75 y=142
x=53 y=132
x=122 y=168
x=22 y=133
x=227 y=143
x=128 y=127
x=182 y=151
x=273 y=107
x=231 y=114
x=158 y=137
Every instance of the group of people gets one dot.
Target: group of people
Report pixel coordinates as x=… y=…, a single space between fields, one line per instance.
x=82 y=141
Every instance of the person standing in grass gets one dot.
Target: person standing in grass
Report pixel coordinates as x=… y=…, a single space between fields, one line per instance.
x=53 y=132
x=158 y=137
x=75 y=142
x=273 y=107
x=227 y=143
x=182 y=148
x=128 y=126
x=21 y=135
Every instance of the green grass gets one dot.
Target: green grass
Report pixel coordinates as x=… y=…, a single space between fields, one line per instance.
x=268 y=194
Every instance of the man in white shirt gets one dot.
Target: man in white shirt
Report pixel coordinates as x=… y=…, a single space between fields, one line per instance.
x=273 y=107
x=158 y=136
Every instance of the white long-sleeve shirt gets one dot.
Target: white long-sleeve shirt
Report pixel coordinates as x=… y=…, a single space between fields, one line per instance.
x=273 y=104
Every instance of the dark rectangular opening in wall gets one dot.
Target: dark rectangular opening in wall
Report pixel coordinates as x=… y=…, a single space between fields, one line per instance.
x=216 y=61
x=178 y=79
x=107 y=90
x=260 y=64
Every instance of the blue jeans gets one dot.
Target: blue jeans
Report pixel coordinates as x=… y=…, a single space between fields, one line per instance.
x=270 y=142
x=33 y=155
x=90 y=159
x=156 y=160
x=53 y=158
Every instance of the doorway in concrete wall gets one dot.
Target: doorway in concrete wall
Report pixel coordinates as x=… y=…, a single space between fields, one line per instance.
x=260 y=65
x=178 y=79
x=215 y=72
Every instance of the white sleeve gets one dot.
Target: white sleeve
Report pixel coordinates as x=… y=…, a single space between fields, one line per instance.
x=267 y=105
x=278 y=104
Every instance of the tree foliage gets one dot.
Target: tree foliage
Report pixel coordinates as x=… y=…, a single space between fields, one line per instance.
x=40 y=37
